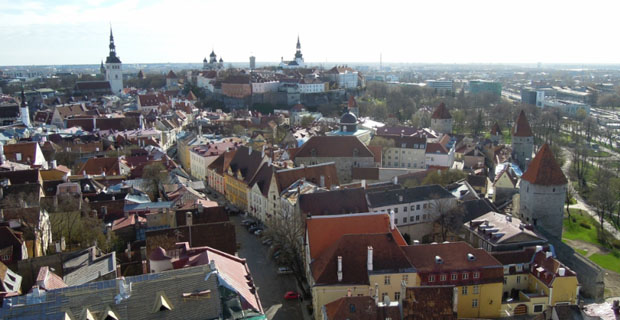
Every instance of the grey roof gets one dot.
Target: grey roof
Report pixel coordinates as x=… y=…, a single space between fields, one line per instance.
x=85 y=268
x=140 y=300
x=149 y=205
x=416 y=194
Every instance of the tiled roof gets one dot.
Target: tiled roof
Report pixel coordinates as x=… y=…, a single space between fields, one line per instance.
x=48 y=280
x=453 y=255
x=396 y=131
x=353 y=248
x=436 y=148
x=341 y=201
x=546 y=269
x=171 y=75
x=498 y=228
x=220 y=235
x=333 y=146
x=246 y=161
x=221 y=163
x=441 y=112
x=496 y=130
x=21 y=177
x=71 y=110
x=377 y=152
x=477 y=207
x=28 y=150
x=524 y=255
x=97 y=166
x=360 y=308
x=312 y=173
x=9 y=111
x=358 y=173
x=128 y=221
x=324 y=231
x=415 y=194
x=91 y=269
x=544 y=170
x=522 y=126
x=152 y=99
x=262 y=178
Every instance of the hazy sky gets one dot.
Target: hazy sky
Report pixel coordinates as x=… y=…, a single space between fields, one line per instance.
x=445 y=31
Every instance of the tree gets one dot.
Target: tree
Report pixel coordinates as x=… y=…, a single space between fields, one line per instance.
x=421 y=119
x=154 y=176
x=603 y=197
x=580 y=163
x=570 y=194
x=448 y=215
x=306 y=122
x=444 y=177
x=287 y=232
x=238 y=130
x=384 y=143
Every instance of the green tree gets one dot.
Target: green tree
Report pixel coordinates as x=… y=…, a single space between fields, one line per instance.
x=444 y=177
x=384 y=143
x=306 y=122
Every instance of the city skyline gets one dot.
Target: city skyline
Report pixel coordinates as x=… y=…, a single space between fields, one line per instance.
x=73 y=32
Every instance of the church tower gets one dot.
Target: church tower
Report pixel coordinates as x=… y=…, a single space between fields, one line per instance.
x=113 y=68
x=298 y=56
x=24 y=114
x=441 y=119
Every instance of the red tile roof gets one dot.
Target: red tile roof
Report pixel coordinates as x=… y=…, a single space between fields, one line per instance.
x=171 y=75
x=324 y=231
x=127 y=222
x=360 y=308
x=353 y=248
x=28 y=151
x=441 y=112
x=97 y=166
x=434 y=147
x=496 y=130
x=333 y=146
x=313 y=173
x=522 y=126
x=48 y=280
x=547 y=269
x=544 y=170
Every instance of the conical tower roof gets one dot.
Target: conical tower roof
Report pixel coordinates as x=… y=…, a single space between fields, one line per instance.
x=496 y=130
x=544 y=169
x=522 y=126
x=441 y=112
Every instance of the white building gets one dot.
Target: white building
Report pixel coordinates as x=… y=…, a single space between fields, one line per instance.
x=297 y=63
x=266 y=86
x=407 y=152
x=344 y=77
x=440 y=154
x=307 y=86
x=414 y=208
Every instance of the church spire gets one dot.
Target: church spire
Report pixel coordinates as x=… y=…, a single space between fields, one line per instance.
x=112 y=46
x=298 y=43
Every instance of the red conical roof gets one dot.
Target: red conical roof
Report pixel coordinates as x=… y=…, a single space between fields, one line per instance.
x=441 y=112
x=522 y=126
x=544 y=170
x=171 y=75
x=496 y=130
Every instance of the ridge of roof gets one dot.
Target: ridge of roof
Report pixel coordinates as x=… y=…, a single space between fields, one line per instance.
x=522 y=126
x=544 y=169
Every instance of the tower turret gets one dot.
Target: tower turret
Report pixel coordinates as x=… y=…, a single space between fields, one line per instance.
x=114 y=68
x=24 y=113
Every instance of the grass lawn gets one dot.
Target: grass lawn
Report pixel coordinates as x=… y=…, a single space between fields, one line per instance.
x=609 y=261
x=576 y=229
x=598 y=154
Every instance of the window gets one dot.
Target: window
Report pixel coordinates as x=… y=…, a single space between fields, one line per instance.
x=454 y=276
x=418 y=207
x=386 y=280
x=505 y=280
x=474 y=303
x=431 y=278
x=405 y=209
x=538 y=308
x=464 y=290
x=417 y=218
x=396 y=296
x=476 y=289
x=395 y=210
x=425 y=206
x=518 y=279
x=476 y=275
x=383 y=295
x=442 y=277
x=352 y=308
x=465 y=275
x=18 y=156
x=405 y=220
x=412 y=208
x=405 y=278
x=396 y=220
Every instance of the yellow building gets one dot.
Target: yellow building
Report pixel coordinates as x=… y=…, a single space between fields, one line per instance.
x=475 y=274
x=534 y=281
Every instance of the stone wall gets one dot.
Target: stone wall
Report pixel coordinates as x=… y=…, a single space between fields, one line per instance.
x=522 y=148
x=543 y=206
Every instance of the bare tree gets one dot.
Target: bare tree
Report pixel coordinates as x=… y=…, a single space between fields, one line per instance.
x=603 y=197
x=154 y=175
x=570 y=194
x=448 y=215
x=287 y=232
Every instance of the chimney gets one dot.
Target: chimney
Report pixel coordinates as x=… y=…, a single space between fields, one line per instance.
x=145 y=269
x=395 y=180
x=562 y=272
x=364 y=183
x=118 y=271
x=322 y=181
x=250 y=150
x=392 y=224
x=548 y=254
x=369 y=258
x=539 y=248
x=188 y=218
x=339 y=268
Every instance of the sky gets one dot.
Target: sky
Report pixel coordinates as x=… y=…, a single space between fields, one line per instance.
x=447 y=31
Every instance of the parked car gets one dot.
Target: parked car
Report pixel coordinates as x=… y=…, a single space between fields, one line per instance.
x=247 y=222
x=284 y=270
x=258 y=232
x=291 y=295
x=276 y=254
x=267 y=242
x=253 y=228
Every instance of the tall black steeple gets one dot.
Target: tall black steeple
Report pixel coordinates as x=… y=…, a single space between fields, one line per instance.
x=298 y=52
x=112 y=58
